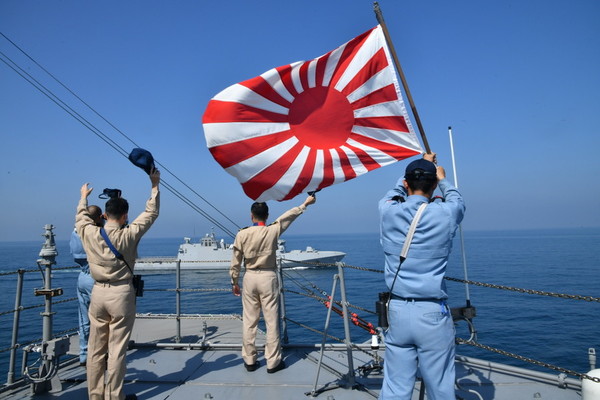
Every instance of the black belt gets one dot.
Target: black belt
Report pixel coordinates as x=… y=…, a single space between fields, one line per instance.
x=115 y=283
x=396 y=297
x=260 y=269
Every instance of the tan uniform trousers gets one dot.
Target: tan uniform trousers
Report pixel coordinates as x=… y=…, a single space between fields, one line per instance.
x=261 y=290
x=112 y=314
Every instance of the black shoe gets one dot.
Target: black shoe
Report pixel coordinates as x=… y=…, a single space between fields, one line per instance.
x=252 y=367
x=278 y=367
x=131 y=397
x=83 y=364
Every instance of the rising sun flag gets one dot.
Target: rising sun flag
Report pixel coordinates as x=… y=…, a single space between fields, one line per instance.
x=311 y=124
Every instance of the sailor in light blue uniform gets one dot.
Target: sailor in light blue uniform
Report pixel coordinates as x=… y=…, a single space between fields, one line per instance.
x=85 y=283
x=421 y=332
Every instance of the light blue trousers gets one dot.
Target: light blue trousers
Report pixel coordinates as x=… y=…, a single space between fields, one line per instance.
x=421 y=336
x=85 y=283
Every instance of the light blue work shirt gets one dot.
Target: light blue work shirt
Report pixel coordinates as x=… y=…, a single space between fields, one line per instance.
x=422 y=273
x=421 y=332
x=76 y=246
x=85 y=284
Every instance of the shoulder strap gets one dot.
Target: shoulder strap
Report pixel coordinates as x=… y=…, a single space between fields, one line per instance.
x=407 y=241
x=111 y=246
x=411 y=231
x=113 y=249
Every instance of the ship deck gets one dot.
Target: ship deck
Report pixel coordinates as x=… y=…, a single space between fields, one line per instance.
x=206 y=364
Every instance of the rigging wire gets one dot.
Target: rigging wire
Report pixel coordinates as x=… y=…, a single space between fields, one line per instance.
x=47 y=92
x=196 y=208
x=113 y=126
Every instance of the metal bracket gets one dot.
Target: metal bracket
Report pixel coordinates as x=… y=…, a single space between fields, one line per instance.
x=57 y=347
x=468 y=312
x=49 y=292
x=562 y=377
x=44 y=378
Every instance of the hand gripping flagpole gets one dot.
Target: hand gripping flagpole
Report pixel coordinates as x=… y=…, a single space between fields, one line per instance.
x=462 y=239
x=413 y=108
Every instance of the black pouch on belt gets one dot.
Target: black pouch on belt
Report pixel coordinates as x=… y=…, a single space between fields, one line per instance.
x=381 y=309
x=138 y=285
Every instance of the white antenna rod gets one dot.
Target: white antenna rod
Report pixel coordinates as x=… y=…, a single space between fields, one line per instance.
x=452 y=153
x=462 y=239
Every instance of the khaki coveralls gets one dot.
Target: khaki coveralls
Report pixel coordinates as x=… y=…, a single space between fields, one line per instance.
x=256 y=247
x=112 y=306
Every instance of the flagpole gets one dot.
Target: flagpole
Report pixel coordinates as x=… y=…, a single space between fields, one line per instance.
x=413 y=108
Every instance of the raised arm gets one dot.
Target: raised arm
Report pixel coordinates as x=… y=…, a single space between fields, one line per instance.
x=83 y=217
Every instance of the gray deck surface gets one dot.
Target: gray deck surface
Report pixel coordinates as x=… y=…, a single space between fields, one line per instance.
x=218 y=373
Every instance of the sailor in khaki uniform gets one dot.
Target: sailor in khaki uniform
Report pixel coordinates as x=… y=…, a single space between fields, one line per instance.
x=112 y=306
x=256 y=247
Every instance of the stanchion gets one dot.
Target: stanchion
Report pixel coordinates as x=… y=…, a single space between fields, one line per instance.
x=15 y=331
x=178 y=301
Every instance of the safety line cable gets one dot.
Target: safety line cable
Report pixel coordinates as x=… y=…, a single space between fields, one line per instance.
x=326 y=300
x=527 y=359
x=315 y=287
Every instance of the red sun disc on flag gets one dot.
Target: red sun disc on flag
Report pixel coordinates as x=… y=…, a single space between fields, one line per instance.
x=308 y=125
x=318 y=110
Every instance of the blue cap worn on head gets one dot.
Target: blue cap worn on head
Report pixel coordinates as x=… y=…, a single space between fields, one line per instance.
x=420 y=168
x=143 y=159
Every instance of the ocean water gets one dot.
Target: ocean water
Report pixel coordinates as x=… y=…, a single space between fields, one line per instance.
x=552 y=330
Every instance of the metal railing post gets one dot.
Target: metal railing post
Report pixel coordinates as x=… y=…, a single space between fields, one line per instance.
x=282 y=311
x=15 y=331
x=47 y=259
x=325 y=329
x=347 y=340
x=178 y=301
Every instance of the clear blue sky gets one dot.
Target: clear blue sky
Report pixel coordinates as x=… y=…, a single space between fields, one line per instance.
x=518 y=81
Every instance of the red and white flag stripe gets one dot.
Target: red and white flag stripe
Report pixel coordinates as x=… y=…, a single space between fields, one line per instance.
x=312 y=124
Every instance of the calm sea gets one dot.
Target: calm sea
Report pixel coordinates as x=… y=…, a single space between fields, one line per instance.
x=553 y=330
